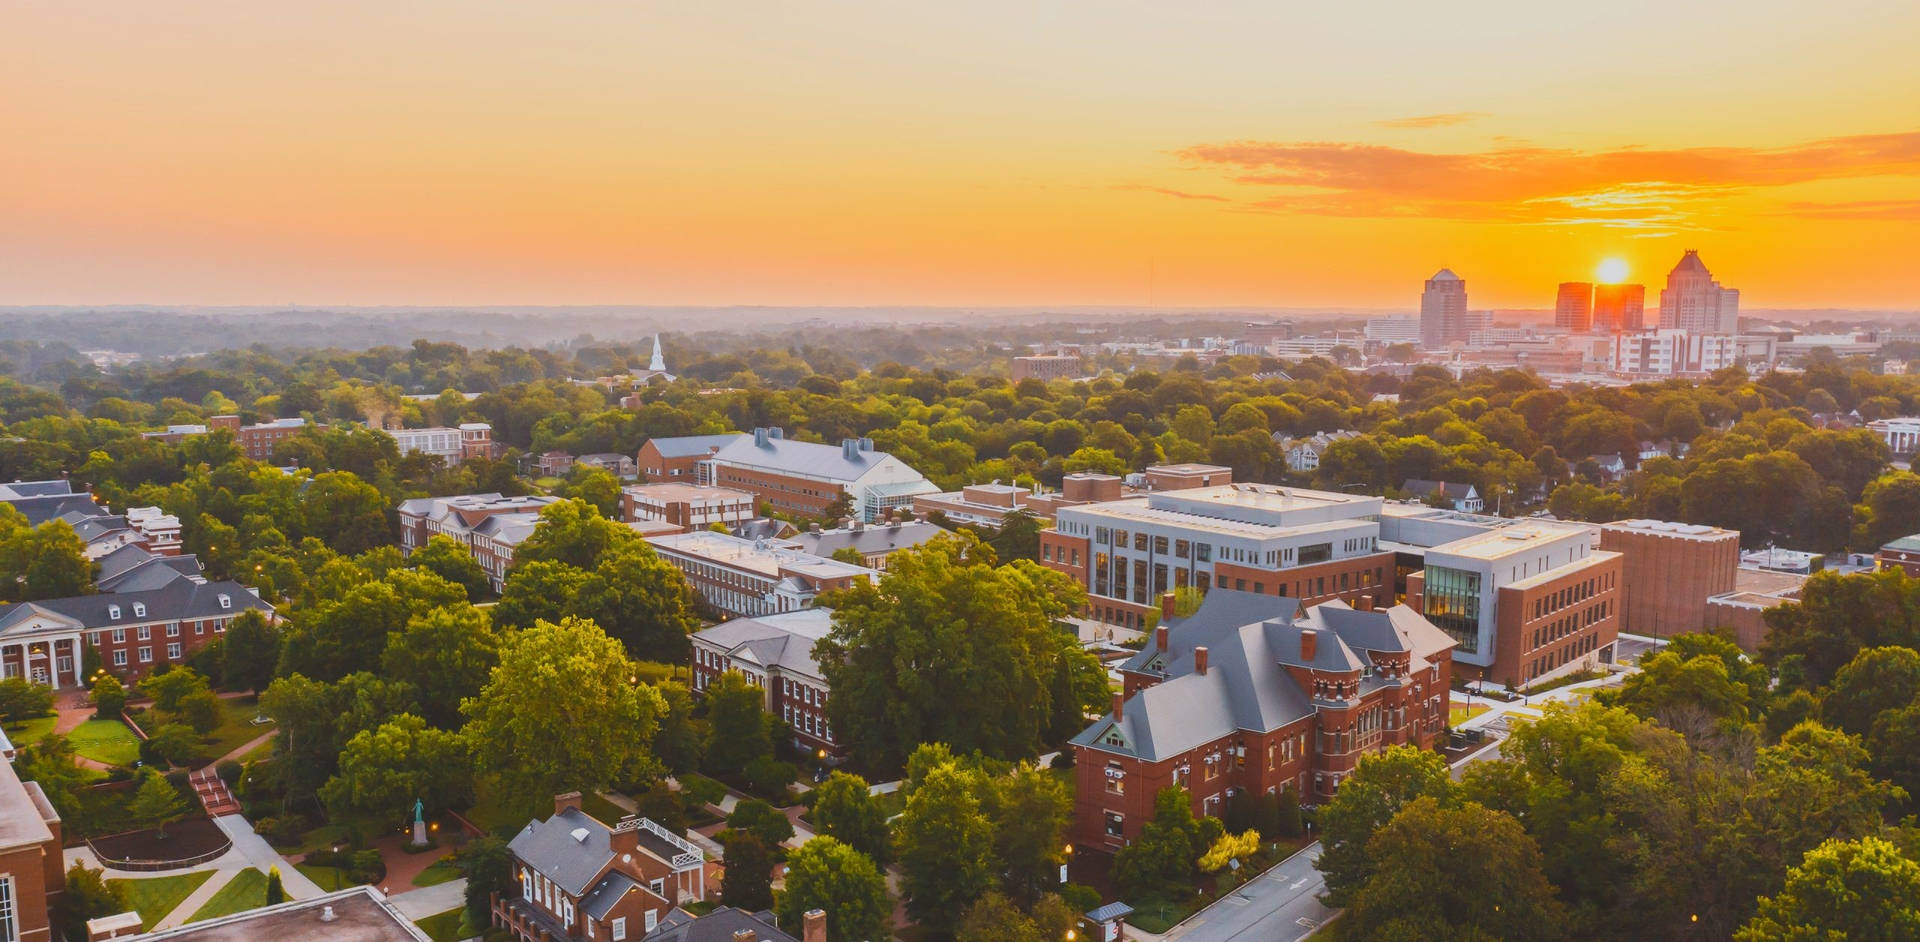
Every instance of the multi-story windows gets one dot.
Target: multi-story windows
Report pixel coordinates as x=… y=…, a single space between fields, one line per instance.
x=9 y=912
x=1452 y=603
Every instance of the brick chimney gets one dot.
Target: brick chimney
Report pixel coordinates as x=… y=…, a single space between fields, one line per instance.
x=1364 y=603
x=1200 y=660
x=565 y=800
x=1160 y=638
x=1309 y=644
x=1166 y=605
x=815 y=921
x=624 y=841
x=1119 y=700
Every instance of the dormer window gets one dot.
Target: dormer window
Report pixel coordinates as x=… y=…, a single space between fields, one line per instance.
x=139 y=609
x=226 y=601
x=113 y=612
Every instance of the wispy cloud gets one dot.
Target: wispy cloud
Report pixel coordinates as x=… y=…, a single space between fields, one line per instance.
x=1627 y=187
x=1447 y=120
x=1895 y=210
x=1168 y=191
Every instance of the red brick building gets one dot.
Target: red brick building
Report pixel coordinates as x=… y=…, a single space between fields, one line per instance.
x=775 y=653
x=678 y=458
x=687 y=506
x=1180 y=477
x=1045 y=368
x=257 y=441
x=807 y=478
x=1256 y=694
x=1902 y=554
x=32 y=873
x=581 y=879
x=1669 y=571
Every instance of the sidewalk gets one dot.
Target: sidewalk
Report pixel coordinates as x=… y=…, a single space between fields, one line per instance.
x=258 y=853
x=1529 y=707
x=430 y=900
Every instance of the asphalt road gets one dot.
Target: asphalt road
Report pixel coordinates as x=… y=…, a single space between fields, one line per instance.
x=1282 y=905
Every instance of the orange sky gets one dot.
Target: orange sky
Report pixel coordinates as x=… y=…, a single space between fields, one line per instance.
x=993 y=153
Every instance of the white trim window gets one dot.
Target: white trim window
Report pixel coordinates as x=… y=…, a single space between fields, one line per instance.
x=620 y=929
x=9 y=912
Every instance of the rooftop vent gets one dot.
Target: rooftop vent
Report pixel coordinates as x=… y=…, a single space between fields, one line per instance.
x=579 y=835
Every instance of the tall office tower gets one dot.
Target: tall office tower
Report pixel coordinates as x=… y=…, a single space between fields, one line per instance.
x=1573 y=309
x=1693 y=301
x=1619 y=307
x=1443 y=310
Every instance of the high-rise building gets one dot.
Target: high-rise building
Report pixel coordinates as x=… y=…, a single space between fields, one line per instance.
x=1694 y=301
x=1573 y=309
x=1443 y=310
x=1619 y=308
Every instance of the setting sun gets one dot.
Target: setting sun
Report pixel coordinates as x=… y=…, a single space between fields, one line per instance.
x=1612 y=271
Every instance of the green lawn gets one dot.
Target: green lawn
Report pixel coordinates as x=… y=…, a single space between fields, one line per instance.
x=32 y=731
x=328 y=878
x=449 y=926
x=108 y=741
x=600 y=809
x=247 y=890
x=442 y=871
x=1460 y=713
x=257 y=753
x=236 y=727
x=154 y=897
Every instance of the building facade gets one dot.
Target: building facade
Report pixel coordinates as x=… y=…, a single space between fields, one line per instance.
x=491 y=526
x=1392 y=330
x=808 y=478
x=678 y=459
x=1045 y=368
x=874 y=544
x=775 y=654
x=1619 y=307
x=744 y=578
x=257 y=441
x=32 y=868
x=1694 y=302
x=1671 y=353
x=1669 y=571
x=1253 y=695
x=1443 y=311
x=1902 y=435
x=580 y=879
x=1573 y=306
x=687 y=506
x=451 y=445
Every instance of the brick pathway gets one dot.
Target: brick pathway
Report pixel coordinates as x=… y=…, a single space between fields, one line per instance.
x=213 y=793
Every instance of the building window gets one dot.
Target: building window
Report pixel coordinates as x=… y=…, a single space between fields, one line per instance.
x=143 y=632
x=146 y=655
x=9 y=919
x=120 y=658
x=139 y=609
x=1452 y=603
x=620 y=929
x=173 y=651
x=1116 y=824
x=173 y=629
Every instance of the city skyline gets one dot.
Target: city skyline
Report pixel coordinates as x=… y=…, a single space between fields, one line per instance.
x=869 y=155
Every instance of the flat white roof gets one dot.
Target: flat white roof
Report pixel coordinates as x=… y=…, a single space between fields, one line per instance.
x=1522 y=537
x=1669 y=528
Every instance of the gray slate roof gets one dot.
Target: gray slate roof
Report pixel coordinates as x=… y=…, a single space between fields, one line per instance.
x=601 y=901
x=873 y=539
x=177 y=599
x=550 y=848
x=717 y=926
x=693 y=446
x=34 y=489
x=40 y=509
x=784 y=640
x=1251 y=640
x=802 y=458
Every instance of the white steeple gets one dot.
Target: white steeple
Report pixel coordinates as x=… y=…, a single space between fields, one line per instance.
x=659 y=363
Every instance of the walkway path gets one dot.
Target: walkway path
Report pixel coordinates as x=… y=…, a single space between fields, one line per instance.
x=197 y=898
x=246 y=747
x=429 y=900
x=255 y=850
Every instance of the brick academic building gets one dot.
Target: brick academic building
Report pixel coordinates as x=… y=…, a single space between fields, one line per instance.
x=1257 y=694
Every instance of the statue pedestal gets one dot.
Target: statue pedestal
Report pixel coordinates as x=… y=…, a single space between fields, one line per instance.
x=419 y=832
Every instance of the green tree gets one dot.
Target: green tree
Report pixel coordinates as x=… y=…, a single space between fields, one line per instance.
x=568 y=676
x=575 y=533
x=52 y=563
x=1864 y=891
x=640 y=599
x=445 y=655
x=742 y=730
x=949 y=648
x=1018 y=536
x=1889 y=509
x=1455 y=873
x=384 y=770
x=109 y=696
x=276 y=890
x=1876 y=680
x=945 y=846
x=1168 y=846
x=22 y=699
x=681 y=743
x=156 y=804
x=203 y=711
x=252 y=652
x=1030 y=809
x=447 y=558
x=488 y=866
x=88 y=895
x=343 y=636
x=827 y=875
x=539 y=590
x=170 y=688
x=748 y=881
x=1379 y=787
x=844 y=808
x=762 y=820
x=598 y=487
x=346 y=513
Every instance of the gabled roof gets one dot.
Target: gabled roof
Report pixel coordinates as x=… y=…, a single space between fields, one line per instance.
x=692 y=446
x=1908 y=544
x=570 y=848
x=176 y=599
x=39 y=509
x=717 y=926
x=1453 y=491
x=1251 y=642
x=809 y=459
x=784 y=640
x=875 y=538
x=19 y=489
x=608 y=892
